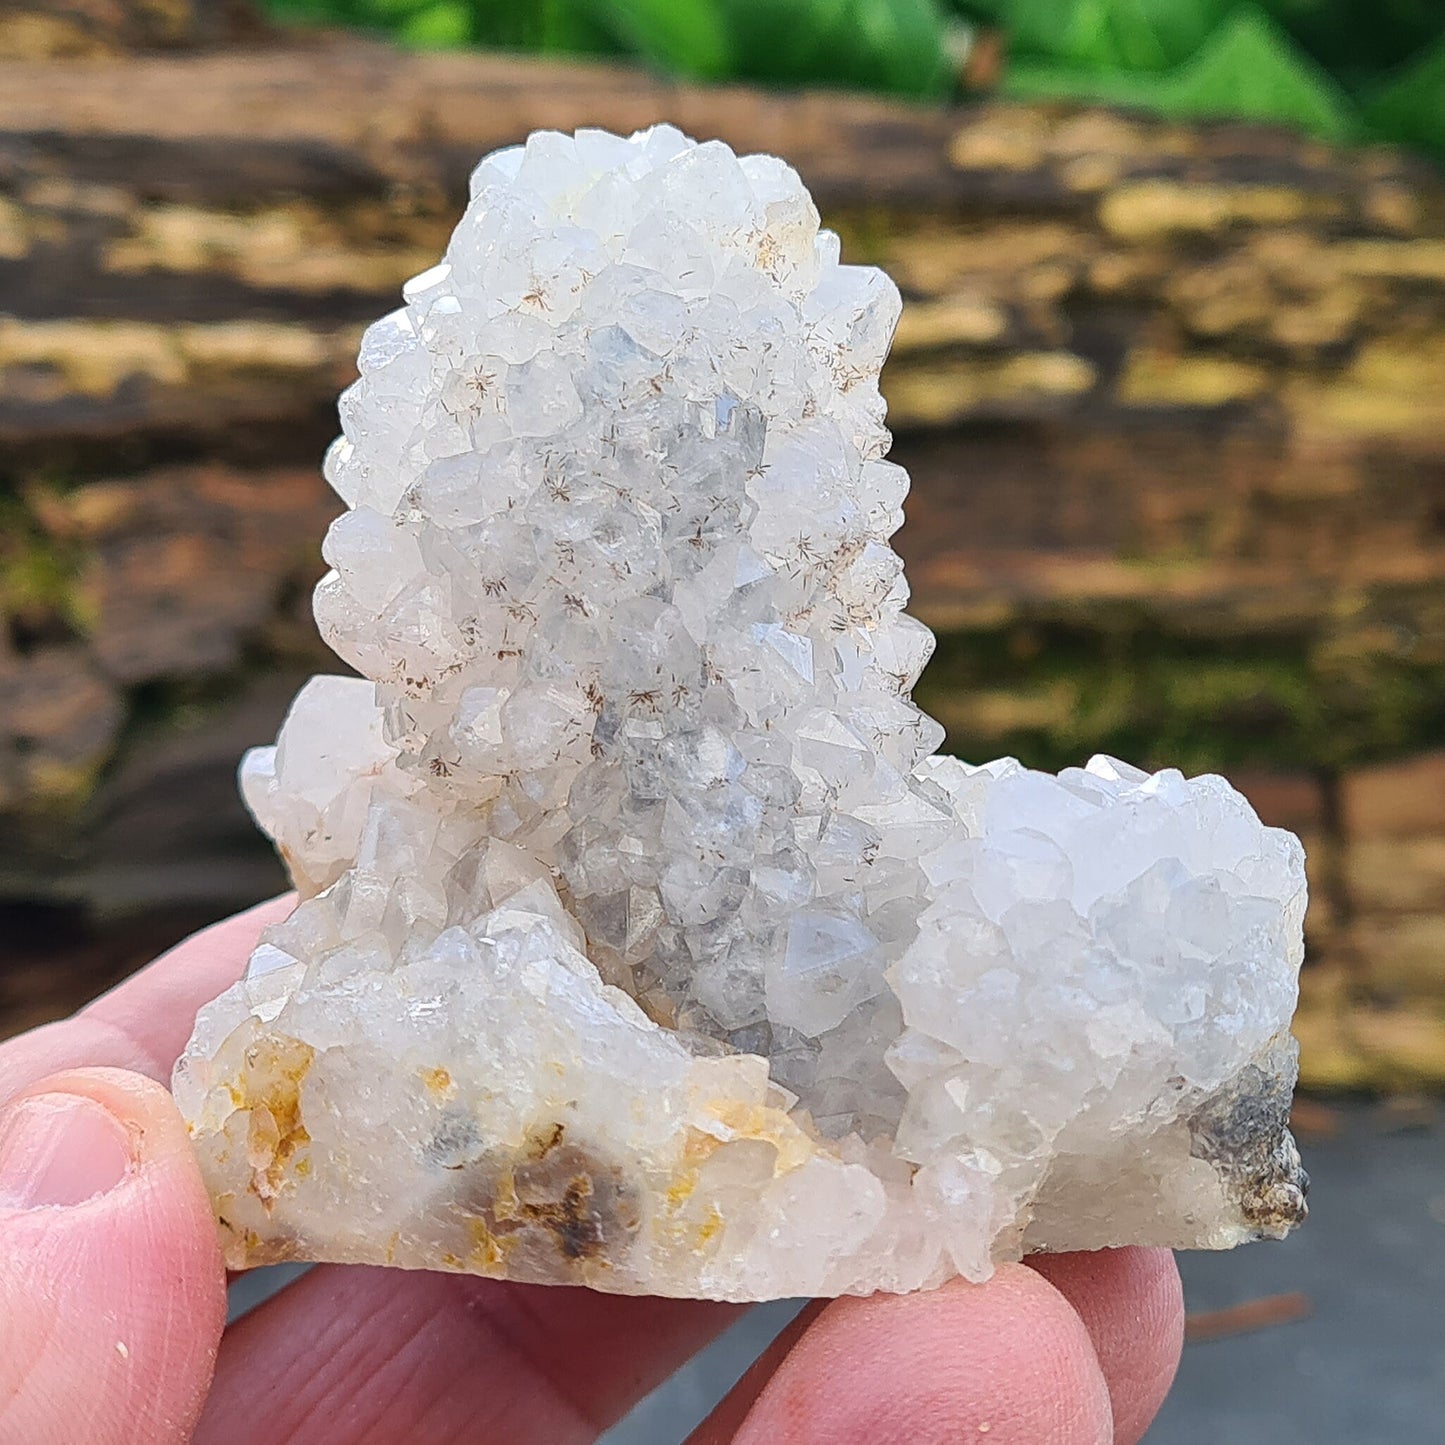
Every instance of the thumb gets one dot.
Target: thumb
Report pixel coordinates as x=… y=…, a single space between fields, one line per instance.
x=112 y=1292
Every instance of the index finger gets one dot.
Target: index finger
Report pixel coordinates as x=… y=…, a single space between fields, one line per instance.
x=1007 y=1362
x=1016 y=1359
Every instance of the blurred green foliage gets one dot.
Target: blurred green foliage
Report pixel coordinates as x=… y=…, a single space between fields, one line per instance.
x=1345 y=70
x=1050 y=692
x=1247 y=67
x=1341 y=69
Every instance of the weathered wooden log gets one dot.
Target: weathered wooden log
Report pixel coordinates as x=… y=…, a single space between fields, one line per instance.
x=1173 y=398
x=49 y=29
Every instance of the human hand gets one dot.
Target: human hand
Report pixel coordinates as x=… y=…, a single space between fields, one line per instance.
x=112 y=1300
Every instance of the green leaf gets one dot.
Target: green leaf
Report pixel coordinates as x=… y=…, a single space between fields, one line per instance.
x=1251 y=68
x=899 y=44
x=565 y=27
x=510 y=26
x=438 y=27
x=548 y=26
x=1248 y=68
x=1158 y=34
x=1047 y=29
x=896 y=45
x=991 y=12
x=1411 y=109
x=393 y=14
x=689 y=37
x=1142 y=91
x=1111 y=35
x=1361 y=38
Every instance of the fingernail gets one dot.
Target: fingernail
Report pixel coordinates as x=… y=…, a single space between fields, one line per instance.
x=58 y=1149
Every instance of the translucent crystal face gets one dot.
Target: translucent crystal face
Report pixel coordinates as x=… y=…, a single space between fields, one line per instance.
x=631 y=829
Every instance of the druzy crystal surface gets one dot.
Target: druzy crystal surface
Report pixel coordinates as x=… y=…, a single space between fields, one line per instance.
x=644 y=939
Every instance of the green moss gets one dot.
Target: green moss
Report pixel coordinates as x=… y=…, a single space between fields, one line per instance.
x=37 y=574
x=866 y=232
x=1051 y=693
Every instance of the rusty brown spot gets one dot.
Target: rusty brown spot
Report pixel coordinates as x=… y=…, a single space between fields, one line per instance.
x=554 y=1136
x=270 y=1088
x=242 y=1247
x=555 y=1192
x=554 y=1200
x=578 y=1227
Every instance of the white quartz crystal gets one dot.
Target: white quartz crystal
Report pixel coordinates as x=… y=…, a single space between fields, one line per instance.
x=645 y=941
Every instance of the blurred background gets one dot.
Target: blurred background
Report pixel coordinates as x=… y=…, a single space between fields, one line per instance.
x=1170 y=382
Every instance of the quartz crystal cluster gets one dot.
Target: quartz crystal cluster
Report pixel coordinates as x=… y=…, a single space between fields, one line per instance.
x=644 y=940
